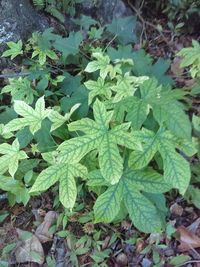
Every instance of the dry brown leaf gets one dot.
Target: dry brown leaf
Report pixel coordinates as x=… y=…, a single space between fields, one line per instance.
x=29 y=250
x=187 y=239
x=175 y=67
x=42 y=231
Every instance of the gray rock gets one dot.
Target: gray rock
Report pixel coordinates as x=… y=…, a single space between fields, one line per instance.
x=18 y=19
x=104 y=11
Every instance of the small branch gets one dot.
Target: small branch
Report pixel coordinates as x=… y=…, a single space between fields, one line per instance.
x=12 y=75
x=144 y=23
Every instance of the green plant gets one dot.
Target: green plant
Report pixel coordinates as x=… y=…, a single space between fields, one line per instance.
x=108 y=127
x=58 y=8
x=191 y=58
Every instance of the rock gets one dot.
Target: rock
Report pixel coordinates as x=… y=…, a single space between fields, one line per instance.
x=104 y=11
x=18 y=19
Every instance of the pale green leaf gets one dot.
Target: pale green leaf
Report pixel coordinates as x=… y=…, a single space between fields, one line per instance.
x=110 y=161
x=67 y=189
x=107 y=205
x=141 y=210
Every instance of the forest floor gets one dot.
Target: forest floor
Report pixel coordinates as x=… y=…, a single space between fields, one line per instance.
x=120 y=244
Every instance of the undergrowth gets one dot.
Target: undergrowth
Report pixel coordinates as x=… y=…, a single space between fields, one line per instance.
x=89 y=120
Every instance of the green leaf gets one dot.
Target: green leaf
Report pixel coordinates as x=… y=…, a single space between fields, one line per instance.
x=58 y=119
x=147 y=180
x=141 y=211
x=31 y=117
x=137 y=113
x=126 y=86
x=69 y=45
x=20 y=89
x=99 y=87
x=110 y=161
x=14 y=50
x=191 y=58
x=124 y=29
x=179 y=260
x=65 y=174
x=175 y=118
x=48 y=177
x=101 y=63
x=196 y=122
x=107 y=205
x=140 y=159
x=99 y=136
x=176 y=168
x=11 y=156
x=95 y=178
x=85 y=22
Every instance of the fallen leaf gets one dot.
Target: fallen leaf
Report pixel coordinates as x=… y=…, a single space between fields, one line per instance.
x=187 y=239
x=29 y=250
x=42 y=231
x=176 y=70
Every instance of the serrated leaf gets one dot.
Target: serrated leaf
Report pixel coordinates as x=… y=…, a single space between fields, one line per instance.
x=99 y=87
x=124 y=29
x=69 y=45
x=107 y=205
x=110 y=161
x=67 y=190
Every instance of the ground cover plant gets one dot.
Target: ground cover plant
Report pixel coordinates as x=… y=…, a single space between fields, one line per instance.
x=86 y=120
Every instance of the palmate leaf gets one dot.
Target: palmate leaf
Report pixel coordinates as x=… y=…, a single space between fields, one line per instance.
x=14 y=50
x=100 y=63
x=31 y=117
x=11 y=156
x=20 y=89
x=69 y=45
x=65 y=174
x=99 y=136
x=99 y=87
x=141 y=210
x=176 y=168
x=58 y=119
x=163 y=102
x=126 y=86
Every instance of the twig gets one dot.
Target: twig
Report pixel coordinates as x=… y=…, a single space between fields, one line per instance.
x=12 y=75
x=144 y=22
